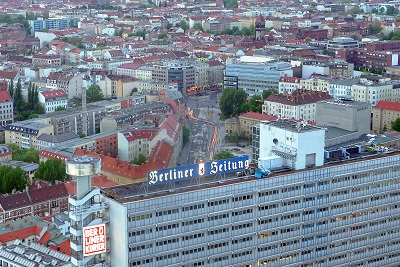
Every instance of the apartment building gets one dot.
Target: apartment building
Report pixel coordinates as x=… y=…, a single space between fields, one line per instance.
x=6 y=108
x=70 y=120
x=118 y=86
x=53 y=99
x=287 y=84
x=134 y=142
x=25 y=133
x=384 y=114
x=300 y=105
x=373 y=89
x=71 y=84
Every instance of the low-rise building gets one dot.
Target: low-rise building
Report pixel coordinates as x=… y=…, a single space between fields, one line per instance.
x=300 y=105
x=53 y=99
x=248 y=119
x=45 y=141
x=384 y=114
x=37 y=202
x=133 y=142
x=5 y=153
x=288 y=84
x=24 y=133
x=28 y=167
x=6 y=107
x=71 y=84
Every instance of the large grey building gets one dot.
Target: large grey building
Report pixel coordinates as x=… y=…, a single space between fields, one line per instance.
x=255 y=74
x=181 y=72
x=344 y=214
x=345 y=120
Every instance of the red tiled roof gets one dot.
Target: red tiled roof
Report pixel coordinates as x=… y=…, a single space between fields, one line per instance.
x=20 y=233
x=139 y=134
x=53 y=93
x=259 y=116
x=4 y=96
x=99 y=181
x=133 y=65
x=9 y=75
x=45 y=238
x=388 y=105
x=159 y=159
x=51 y=155
x=172 y=126
x=288 y=79
x=299 y=97
x=19 y=200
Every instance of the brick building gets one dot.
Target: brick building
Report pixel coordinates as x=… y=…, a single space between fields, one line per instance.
x=378 y=55
x=38 y=203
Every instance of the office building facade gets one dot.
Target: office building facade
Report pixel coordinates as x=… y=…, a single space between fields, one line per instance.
x=254 y=75
x=334 y=215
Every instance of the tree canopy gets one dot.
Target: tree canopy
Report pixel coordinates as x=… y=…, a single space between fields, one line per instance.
x=230 y=3
x=231 y=101
x=139 y=160
x=11 y=178
x=268 y=92
x=26 y=155
x=223 y=155
x=51 y=170
x=94 y=94
x=396 y=125
x=186 y=134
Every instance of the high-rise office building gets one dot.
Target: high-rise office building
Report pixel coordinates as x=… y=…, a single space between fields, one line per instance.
x=338 y=214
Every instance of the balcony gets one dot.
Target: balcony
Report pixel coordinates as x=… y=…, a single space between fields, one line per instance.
x=74 y=231
x=84 y=211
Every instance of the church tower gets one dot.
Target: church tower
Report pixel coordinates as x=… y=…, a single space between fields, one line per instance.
x=260 y=28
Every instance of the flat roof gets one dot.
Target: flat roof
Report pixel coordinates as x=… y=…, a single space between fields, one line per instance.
x=293 y=126
x=140 y=191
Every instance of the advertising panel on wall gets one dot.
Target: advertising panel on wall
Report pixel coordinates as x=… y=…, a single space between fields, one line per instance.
x=197 y=170
x=94 y=240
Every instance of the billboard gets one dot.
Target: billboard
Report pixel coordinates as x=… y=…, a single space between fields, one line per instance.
x=197 y=170
x=94 y=240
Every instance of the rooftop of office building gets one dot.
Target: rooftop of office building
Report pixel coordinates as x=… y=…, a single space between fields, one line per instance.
x=140 y=191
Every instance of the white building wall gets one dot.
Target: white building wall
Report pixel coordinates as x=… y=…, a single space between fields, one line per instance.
x=300 y=143
x=118 y=236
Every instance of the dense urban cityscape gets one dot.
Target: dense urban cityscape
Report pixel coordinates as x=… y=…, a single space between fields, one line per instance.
x=220 y=133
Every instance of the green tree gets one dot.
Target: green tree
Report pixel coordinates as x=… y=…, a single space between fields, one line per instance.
x=72 y=24
x=183 y=25
x=162 y=36
x=384 y=129
x=197 y=26
x=374 y=11
x=26 y=155
x=231 y=100
x=17 y=92
x=230 y=3
x=186 y=134
x=391 y=11
x=375 y=29
x=11 y=88
x=38 y=109
x=268 y=92
x=355 y=10
x=139 y=160
x=11 y=178
x=59 y=108
x=223 y=155
x=396 y=125
x=51 y=170
x=94 y=94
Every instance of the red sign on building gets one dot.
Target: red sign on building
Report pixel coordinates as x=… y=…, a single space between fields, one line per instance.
x=94 y=240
